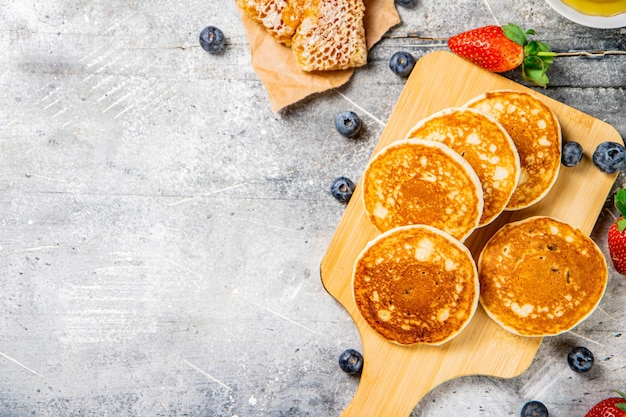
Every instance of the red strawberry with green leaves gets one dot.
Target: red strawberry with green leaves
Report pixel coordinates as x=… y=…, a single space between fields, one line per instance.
x=616 y=236
x=504 y=48
x=609 y=407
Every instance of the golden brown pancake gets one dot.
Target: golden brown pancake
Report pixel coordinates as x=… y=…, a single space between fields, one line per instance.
x=540 y=276
x=416 y=284
x=331 y=35
x=485 y=144
x=414 y=181
x=536 y=132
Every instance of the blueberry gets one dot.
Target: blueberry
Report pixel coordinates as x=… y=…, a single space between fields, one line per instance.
x=348 y=124
x=405 y=3
x=609 y=157
x=351 y=361
x=342 y=189
x=212 y=39
x=580 y=359
x=534 y=409
x=572 y=154
x=402 y=63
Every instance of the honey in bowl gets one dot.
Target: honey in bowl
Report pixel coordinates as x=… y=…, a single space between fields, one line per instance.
x=606 y=8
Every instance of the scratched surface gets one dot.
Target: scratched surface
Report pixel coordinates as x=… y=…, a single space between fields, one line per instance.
x=161 y=229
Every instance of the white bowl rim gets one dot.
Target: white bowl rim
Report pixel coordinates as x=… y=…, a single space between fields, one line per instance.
x=600 y=22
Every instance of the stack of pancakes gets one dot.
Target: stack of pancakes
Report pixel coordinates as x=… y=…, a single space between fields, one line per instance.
x=511 y=142
x=458 y=170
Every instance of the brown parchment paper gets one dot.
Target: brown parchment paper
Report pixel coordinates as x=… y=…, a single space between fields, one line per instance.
x=276 y=66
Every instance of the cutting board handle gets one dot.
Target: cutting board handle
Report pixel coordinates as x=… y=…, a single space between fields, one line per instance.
x=374 y=398
x=394 y=378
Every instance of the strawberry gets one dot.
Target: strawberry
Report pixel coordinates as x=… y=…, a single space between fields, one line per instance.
x=609 y=407
x=616 y=236
x=504 y=48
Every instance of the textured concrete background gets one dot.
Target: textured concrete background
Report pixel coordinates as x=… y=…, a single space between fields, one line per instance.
x=161 y=229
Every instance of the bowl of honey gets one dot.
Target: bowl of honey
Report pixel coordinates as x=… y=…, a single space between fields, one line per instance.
x=604 y=14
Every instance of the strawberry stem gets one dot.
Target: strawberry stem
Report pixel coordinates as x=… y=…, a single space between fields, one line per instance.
x=591 y=54
x=547 y=53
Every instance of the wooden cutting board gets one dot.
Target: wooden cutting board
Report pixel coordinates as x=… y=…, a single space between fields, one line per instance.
x=395 y=378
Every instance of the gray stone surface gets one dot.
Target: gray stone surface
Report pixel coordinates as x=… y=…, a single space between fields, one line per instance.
x=161 y=229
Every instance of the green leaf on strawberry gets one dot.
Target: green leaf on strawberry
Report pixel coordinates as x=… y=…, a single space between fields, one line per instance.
x=516 y=33
x=535 y=71
x=616 y=235
x=620 y=205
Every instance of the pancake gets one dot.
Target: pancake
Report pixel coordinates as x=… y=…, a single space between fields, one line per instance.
x=540 y=276
x=485 y=144
x=414 y=181
x=536 y=132
x=416 y=285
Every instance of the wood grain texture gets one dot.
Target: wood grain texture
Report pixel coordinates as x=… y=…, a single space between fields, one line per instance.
x=395 y=377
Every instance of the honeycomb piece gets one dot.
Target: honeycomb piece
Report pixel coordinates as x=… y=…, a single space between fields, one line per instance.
x=331 y=35
x=269 y=13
